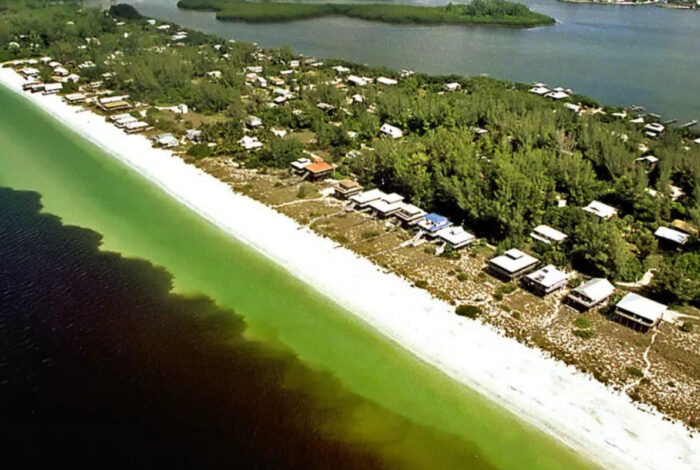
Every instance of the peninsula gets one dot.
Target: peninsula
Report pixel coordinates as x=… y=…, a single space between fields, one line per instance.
x=501 y=232
x=477 y=12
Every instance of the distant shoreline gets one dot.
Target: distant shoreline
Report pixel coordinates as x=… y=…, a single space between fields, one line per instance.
x=614 y=3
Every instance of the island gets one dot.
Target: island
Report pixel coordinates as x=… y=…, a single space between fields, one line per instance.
x=477 y=12
x=565 y=224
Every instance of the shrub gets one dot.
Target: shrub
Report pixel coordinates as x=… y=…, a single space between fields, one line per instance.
x=516 y=315
x=633 y=371
x=462 y=277
x=686 y=327
x=421 y=284
x=369 y=234
x=469 y=311
x=199 y=151
x=584 y=334
x=582 y=323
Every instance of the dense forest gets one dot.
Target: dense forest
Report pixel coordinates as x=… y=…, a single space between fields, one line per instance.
x=535 y=154
x=497 y=12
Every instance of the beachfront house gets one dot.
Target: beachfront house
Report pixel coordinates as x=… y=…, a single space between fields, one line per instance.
x=455 y=237
x=357 y=81
x=166 y=140
x=136 y=126
x=347 y=188
x=603 y=211
x=655 y=127
x=547 y=234
x=386 y=205
x=362 y=200
x=193 y=135
x=253 y=122
x=250 y=143
x=124 y=119
x=391 y=131
x=409 y=214
x=341 y=70
x=545 y=280
x=590 y=293
x=556 y=95
x=298 y=166
x=670 y=236
x=110 y=104
x=639 y=312
x=432 y=223
x=512 y=264
x=74 y=98
x=387 y=81
x=452 y=86
x=539 y=89
x=318 y=170
x=52 y=88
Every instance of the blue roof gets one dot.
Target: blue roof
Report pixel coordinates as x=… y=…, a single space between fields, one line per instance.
x=437 y=219
x=435 y=222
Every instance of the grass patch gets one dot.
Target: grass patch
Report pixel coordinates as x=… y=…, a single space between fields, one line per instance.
x=469 y=311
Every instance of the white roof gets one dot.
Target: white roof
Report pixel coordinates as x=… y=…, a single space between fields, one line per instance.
x=641 y=306
x=53 y=86
x=387 y=81
x=166 y=139
x=557 y=95
x=573 y=107
x=655 y=127
x=455 y=235
x=672 y=235
x=355 y=80
x=548 y=233
x=539 y=90
x=410 y=209
x=368 y=196
x=384 y=206
x=547 y=276
x=452 y=86
x=341 y=69
x=390 y=130
x=601 y=210
x=596 y=289
x=301 y=163
x=75 y=96
x=513 y=260
x=250 y=143
x=136 y=125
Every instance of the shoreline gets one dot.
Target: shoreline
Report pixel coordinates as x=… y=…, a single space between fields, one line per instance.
x=596 y=421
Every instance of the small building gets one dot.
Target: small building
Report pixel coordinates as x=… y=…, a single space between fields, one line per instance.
x=74 y=98
x=61 y=71
x=601 y=210
x=672 y=236
x=136 y=126
x=357 y=81
x=386 y=205
x=590 y=293
x=391 y=131
x=513 y=264
x=52 y=88
x=648 y=161
x=546 y=280
x=253 y=121
x=341 y=70
x=676 y=192
x=409 y=214
x=29 y=72
x=166 y=140
x=655 y=127
x=557 y=95
x=386 y=81
x=685 y=227
x=539 y=90
x=456 y=237
x=325 y=107
x=124 y=120
x=193 y=135
x=639 y=312
x=250 y=143
x=111 y=104
x=547 y=234
x=452 y=86
x=318 y=170
x=362 y=200
x=298 y=167
x=432 y=223
x=215 y=74
x=347 y=188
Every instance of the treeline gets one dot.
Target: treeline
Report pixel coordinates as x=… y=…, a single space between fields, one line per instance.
x=499 y=12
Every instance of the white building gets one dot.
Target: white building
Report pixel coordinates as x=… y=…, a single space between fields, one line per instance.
x=166 y=140
x=391 y=131
x=539 y=90
x=671 y=235
x=639 y=312
x=409 y=214
x=363 y=199
x=547 y=234
x=512 y=264
x=253 y=121
x=601 y=210
x=453 y=86
x=591 y=293
x=250 y=143
x=546 y=280
x=357 y=81
x=387 y=81
x=52 y=88
x=456 y=237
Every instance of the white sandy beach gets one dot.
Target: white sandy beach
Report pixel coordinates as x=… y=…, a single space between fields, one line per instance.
x=599 y=422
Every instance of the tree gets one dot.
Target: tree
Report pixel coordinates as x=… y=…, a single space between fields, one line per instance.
x=678 y=278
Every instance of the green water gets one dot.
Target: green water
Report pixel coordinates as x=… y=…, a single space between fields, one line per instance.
x=86 y=187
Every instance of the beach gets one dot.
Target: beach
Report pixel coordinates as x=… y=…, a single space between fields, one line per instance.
x=592 y=419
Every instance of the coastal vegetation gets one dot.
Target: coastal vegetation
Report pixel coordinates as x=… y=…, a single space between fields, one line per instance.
x=495 y=12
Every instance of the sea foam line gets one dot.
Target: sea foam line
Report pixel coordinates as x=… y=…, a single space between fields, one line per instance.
x=595 y=420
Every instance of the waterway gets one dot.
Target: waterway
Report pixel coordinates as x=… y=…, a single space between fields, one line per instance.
x=620 y=55
x=132 y=328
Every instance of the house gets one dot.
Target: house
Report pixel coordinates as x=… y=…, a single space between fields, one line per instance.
x=29 y=72
x=61 y=71
x=74 y=98
x=363 y=199
x=357 y=81
x=453 y=86
x=648 y=161
x=276 y=81
x=547 y=234
x=278 y=132
x=215 y=74
x=432 y=223
x=166 y=140
x=253 y=121
x=409 y=214
x=513 y=264
x=386 y=205
x=387 y=81
x=676 y=192
x=546 y=280
x=254 y=69
x=574 y=107
x=341 y=70
x=193 y=135
x=357 y=98
x=113 y=103
x=261 y=81
x=328 y=108
x=318 y=170
x=455 y=237
x=124 y=120
x=601 y=210
x=639 y=312
x=673 y=236
x=557 y=95
x=52 y=88
x=539 y=90
x=250 y=143
x=655 y=127
x=590 y=293
x=136 y=126
x=391 y=131
x=75 y=78
x=347 y=188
